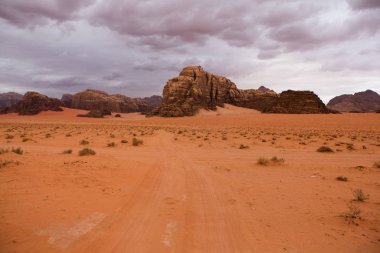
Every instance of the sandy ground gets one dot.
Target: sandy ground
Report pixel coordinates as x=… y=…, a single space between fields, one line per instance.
x=190 y=186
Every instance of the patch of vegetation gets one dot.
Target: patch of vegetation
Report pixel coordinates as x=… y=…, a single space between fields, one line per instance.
x=117 y=115
x=359 y=195
x=136 y=142
x=242 y=146
x=353 y=214
x=341 y=178
x=67 y=151
x=87 y=151
x=111 y=144
x=9 y=137
x=124 y=141
x=325 y=149
x=47 y=135
x=112 y=136
x=377 y=164
x=18 y=151
x=262 y=161
x=5 y=163
x=84 y=142
x=3 y=151
x=276 y=160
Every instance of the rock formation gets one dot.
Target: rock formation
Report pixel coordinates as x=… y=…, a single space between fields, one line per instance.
x=298 y=102
x=95 y=114
x=10 y=98
x=195 y=88
x=99 y=100
x=67 y=100
x=33 y=103
x=366 y=101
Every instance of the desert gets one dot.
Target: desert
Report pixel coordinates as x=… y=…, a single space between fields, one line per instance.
x=190 y=184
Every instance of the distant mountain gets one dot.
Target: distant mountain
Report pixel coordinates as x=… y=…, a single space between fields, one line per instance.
x=10 y=98
x=366 y=101
x=99 y=100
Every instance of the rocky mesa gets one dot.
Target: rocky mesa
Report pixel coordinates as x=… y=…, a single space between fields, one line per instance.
x=195 y=88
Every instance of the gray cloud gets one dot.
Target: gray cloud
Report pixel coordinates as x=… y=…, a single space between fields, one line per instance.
x=132 y=46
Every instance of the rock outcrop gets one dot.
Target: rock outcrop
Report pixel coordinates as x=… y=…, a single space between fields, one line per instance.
x=95 y=114
x=100 y=100
x=195 y=88
x=298 y=102
x=67 y=100
x=366 y=101
x=8 y=99
x=33 y=103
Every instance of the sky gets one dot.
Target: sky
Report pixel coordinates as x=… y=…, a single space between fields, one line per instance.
x=133 y=47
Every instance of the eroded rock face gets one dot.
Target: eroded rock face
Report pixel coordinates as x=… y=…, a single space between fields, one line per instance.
x=8 y=99
x=366 y=101
x=298 y=102
x=33 y=103
x=195 y=88
x=100 y=100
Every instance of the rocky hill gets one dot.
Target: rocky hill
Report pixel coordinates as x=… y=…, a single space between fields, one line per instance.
x=33 y=103
x=366 y=101
x=10 y=98
x=195 y=88
x=100 y=100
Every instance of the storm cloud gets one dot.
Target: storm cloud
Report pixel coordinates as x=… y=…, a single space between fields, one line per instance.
x=134 y=47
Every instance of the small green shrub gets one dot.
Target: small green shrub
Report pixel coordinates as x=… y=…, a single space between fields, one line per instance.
x=325 y=149
x=86 y=151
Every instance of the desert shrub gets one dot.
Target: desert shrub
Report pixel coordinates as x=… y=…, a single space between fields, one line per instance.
x=262 y=161
x=67 y=151
x=352 y=214
x=117 y=115
x=86 y=151
x=8 y=137
x=18 y=151
x=276 y=160
x=5 y=163
x=111 y=144
x=341 y=178
x=84 y=142
x=26 y=139
x=359 y=195
x=124 y=141
x=47 y=135
x=136 y=142
x=242 y=146
x=377 y=164
x=112 y=136
x=325 y=149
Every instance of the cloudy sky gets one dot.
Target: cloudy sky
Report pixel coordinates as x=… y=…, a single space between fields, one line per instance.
x=134 y=46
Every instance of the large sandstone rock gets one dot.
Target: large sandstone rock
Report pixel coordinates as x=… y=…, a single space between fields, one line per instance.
x=8 y=99
x=298 y=102
x=366 y=101
x=99 y=100
x=195 y=88
x=33 y=103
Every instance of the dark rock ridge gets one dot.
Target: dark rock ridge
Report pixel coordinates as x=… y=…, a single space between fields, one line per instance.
x=366 y=101
x=96 y=114
x=33 y=103
x=10 y=98
x=100 y=100
x=298 y=102
x=195 y=88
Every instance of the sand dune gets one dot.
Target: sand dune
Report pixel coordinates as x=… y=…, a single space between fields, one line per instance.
x=191 y=186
